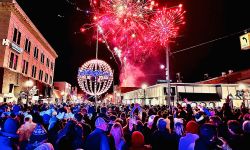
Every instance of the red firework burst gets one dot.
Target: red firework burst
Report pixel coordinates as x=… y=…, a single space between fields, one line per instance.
x=133 y=29
x=165 y=25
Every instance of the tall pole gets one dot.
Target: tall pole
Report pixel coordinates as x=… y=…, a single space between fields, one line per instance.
x=144 y=96
x=96 y=103
x=96 y=57
x=167 y=75
x=114 y=94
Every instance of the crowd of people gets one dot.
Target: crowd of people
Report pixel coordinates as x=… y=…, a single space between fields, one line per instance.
x=69 y=126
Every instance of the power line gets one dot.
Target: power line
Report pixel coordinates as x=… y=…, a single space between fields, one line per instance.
x=204 y=43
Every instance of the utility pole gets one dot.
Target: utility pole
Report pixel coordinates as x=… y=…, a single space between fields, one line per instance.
x=167 y=75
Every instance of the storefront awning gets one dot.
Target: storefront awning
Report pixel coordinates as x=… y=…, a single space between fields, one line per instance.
x=200 y=96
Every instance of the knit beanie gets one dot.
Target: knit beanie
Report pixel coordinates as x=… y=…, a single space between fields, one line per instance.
x=192 y=127
x=10 y=128
x=137 y=139
x=38 y=135
x=207 y=131
x=161 y=124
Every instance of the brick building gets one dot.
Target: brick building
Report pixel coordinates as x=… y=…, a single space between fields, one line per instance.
x=25 y=55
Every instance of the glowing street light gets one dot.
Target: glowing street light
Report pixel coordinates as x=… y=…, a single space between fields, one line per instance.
x=162 y=66
x=29 y=83
x=144 y=86
x=242 y=86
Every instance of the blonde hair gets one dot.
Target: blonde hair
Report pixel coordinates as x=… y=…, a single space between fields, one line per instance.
x=117 y=125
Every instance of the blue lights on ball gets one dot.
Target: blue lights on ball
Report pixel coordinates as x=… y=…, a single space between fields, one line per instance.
x=94 y=73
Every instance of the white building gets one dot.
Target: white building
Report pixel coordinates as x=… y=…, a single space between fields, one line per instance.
x=204 y=94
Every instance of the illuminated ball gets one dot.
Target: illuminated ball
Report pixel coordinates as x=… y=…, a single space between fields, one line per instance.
x=95 y=77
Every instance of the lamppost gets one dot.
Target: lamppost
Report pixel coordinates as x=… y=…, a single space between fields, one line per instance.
x=29 y=83
x=144 y=86
x=167 y=75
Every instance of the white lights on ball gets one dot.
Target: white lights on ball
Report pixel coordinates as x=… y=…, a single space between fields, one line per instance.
x=95 y=77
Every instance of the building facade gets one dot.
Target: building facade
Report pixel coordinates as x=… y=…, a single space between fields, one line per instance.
x=197 y=94
x=25 y=55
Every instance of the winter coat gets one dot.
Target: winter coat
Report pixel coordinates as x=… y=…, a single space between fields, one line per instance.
x=187 y=142
x=7 y=143
x=162 y=140
x=97 y=140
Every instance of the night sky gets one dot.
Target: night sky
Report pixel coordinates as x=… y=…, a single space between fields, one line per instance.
x=60 y=20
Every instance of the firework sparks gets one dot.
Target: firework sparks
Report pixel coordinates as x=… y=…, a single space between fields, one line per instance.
x=123 y=23
x=133 y=29
x=165 y=24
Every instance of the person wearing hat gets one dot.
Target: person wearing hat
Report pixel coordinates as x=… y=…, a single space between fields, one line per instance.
x=137 y=142
x=206 y=137
x=235 y=137
x=200 y=117
x=148 y=129
x=98 y=140
x=45 y=146
x=178 y=129
x=8 y=135
x=187 y=142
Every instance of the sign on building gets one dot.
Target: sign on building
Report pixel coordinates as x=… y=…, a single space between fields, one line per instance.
x=244 y=41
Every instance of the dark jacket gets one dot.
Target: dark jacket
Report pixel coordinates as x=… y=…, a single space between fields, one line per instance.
x=7 y=143
x=97 y=140
x=162 y=140
x=236 y=142
x=205 y=144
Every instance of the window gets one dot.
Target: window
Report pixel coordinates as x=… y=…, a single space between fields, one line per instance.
x=47 y=62
x=40 y=75
x=25 y=66
x=13 y=61
x=50 y=80
x=36 y=51
x=17 y=36
x=52 y=66
x=42 y=58
x=33 y=74
x=27 y=45
x=46 y=78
